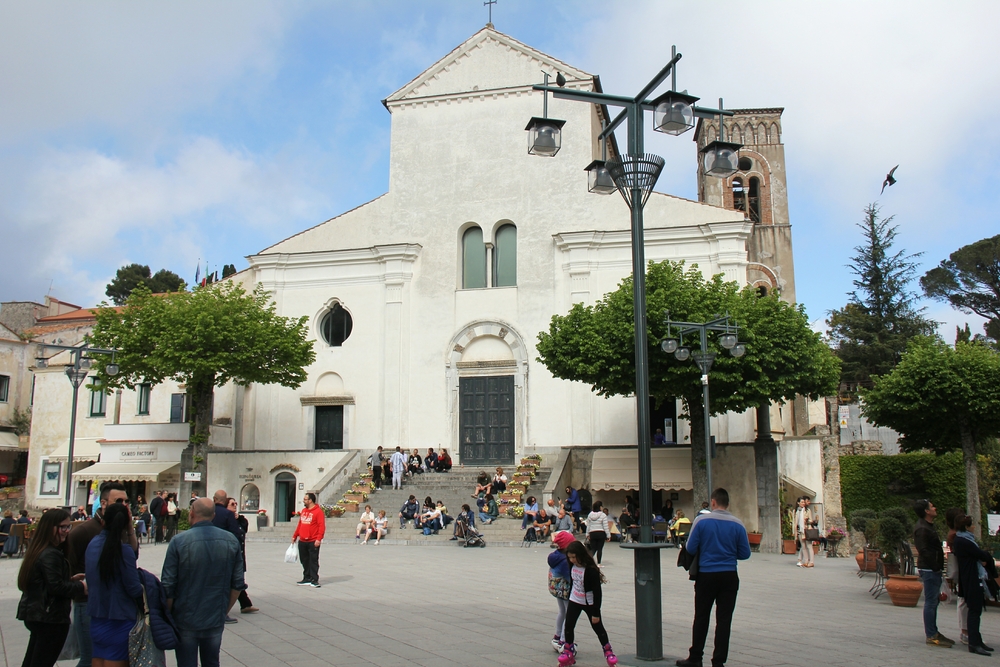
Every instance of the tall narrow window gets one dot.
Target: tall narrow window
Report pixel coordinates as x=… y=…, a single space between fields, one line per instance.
x=754 y=200
x=739 y=195
x=473 y=259
x=4 y=388
x=142 y=398
x=177 y=403
x=98 y=399
x=505 y=257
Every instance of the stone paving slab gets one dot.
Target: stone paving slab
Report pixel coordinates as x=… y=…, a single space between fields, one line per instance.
x=396 y=606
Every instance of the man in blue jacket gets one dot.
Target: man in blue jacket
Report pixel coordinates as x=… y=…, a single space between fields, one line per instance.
x=718 y=539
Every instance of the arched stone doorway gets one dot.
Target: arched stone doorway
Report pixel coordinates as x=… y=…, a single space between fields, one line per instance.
x=284 y=497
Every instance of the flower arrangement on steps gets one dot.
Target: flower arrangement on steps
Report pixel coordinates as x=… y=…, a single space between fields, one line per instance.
x=515 y=511
x=333 y=510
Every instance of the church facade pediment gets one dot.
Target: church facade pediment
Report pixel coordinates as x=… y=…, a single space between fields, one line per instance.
x=487 y=61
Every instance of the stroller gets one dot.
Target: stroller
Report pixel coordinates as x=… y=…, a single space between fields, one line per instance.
x=467 y=535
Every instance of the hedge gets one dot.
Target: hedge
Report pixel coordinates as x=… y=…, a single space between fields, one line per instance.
x=881 y=482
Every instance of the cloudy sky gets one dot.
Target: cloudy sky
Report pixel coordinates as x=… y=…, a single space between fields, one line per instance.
x=161 y=133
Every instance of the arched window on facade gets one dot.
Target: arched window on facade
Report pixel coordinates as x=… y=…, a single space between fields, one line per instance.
x=249 y=498
x=505 y=257
x=739 y=195
x=754 y=199
x=336 y=326
x=473 y=259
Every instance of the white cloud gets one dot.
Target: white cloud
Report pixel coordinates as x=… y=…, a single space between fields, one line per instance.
x=74 y=64
x=77 y=209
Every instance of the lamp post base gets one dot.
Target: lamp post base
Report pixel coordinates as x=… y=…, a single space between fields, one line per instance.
x=648 y=601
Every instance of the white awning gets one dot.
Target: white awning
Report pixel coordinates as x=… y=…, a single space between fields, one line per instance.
x=795 y=488
x=147 y=471
x=8 y=440
x=84 y=449
x=618 y=469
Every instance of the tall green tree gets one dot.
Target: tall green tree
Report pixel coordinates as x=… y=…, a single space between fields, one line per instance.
x=131 y=276
x=941 y=399
x=784 y=358
x=970 y=281
x=203 y=339
x=870 y=333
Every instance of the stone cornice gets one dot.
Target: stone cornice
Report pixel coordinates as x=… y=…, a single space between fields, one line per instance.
x=340 y=399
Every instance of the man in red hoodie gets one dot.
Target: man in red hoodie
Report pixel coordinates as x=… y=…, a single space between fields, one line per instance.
x=309 y=533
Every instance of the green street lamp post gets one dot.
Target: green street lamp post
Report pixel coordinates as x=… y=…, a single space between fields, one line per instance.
x=634 y=176
x=728 y=340
x=77 y=373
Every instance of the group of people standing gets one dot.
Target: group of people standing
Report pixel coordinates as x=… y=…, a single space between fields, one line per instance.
x=718 y=540
x=969 y=568
x=92 y=571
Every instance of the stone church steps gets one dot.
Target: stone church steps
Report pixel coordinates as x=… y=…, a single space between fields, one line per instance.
x=453 y=488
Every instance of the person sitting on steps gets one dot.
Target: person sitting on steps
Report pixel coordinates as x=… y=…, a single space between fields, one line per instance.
x=367 y=519
x=409 y=511
x=490 y=511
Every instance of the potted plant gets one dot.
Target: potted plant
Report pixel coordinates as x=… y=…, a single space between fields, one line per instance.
x=516 y=511
x=14 y=492
x=261 y=519
x=903 y=589
x=754 y=540
x=863 y=521
x=787 y=533
x=333 y=510
x=349 y=505
x=532 y=458
x=833 y=538
x=355 y=496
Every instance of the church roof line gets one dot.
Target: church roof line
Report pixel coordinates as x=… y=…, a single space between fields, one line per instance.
x=473 y=42
x=304 y=231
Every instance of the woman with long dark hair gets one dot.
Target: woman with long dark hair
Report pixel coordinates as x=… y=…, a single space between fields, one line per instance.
x=971 y=579
x=115 y=589
x=584 y=598
x=47 y=590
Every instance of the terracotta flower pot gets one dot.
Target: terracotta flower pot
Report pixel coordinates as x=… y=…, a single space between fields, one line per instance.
x=788 y=547
x=354 y=497
x=754 y=538
x=904 y=589
x=866 y=559
x=350 y=507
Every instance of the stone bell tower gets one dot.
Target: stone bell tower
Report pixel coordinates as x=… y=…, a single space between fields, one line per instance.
x=759 y=190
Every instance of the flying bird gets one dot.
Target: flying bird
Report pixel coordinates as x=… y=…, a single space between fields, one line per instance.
x=560 y=79
x=889 y=180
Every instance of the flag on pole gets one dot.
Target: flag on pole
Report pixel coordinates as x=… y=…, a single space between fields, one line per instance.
x=197 y=273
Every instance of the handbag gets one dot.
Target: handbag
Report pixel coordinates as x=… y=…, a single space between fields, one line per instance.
x=142 y=651
x=812 y=534
x=292 y=553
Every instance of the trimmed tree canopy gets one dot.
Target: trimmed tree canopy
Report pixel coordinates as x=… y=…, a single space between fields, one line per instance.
x=784 y=358
x=204 y=339
x=942 y=399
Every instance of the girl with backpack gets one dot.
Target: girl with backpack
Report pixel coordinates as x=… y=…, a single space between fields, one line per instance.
x=560 y=583
x=584 y=597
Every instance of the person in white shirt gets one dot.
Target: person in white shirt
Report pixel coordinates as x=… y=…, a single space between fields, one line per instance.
x=398 y=463
x=367 y=519
x=377 y=527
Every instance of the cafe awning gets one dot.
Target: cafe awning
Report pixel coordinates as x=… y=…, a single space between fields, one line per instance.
x=147 y=471
x=793 y=488
x=84 y=449
x=618 y=469
x=8 y=440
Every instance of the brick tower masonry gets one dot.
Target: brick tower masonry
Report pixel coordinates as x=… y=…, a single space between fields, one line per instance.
x=759 y=190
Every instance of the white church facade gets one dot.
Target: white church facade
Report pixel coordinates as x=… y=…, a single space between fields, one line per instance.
x=425 y=304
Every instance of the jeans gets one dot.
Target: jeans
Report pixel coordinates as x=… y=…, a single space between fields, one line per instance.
x=484 y=517
x=191 y=643
x=309 y=557
x=404 y=517
x=932 y=596
x=81 y=626
x=716 y=589
x=45 y=643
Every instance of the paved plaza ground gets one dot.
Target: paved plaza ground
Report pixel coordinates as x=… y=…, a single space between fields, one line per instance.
x=396 y=606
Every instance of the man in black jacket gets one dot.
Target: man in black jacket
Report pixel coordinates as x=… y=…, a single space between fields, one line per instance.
x=225 y=519
x=157 y=511
x=930 y=563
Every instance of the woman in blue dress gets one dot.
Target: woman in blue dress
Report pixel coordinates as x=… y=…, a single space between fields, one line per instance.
x=115 y=590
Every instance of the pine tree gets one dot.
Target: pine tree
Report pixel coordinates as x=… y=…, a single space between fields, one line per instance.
x=871 y=332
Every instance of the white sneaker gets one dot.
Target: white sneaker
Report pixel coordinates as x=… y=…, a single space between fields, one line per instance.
x=557 y=645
